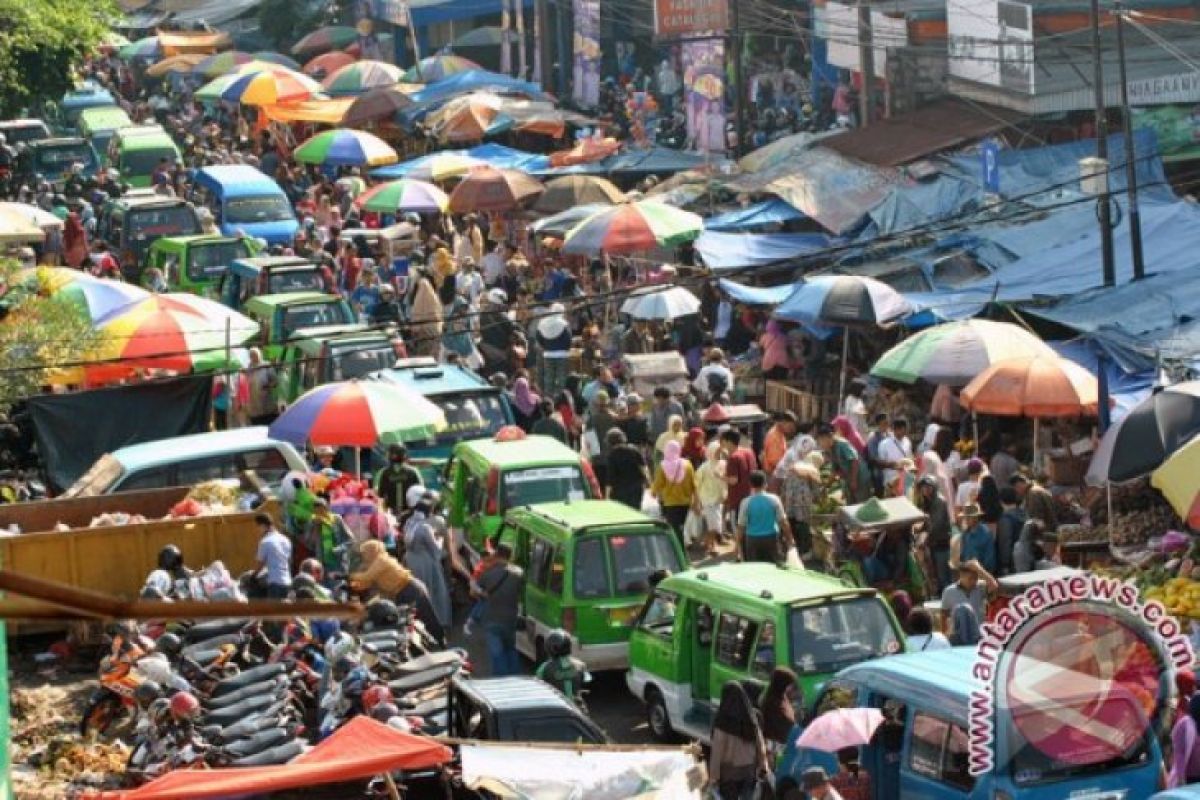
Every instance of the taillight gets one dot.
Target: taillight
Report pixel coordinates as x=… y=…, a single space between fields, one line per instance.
x=568 y=620
x=493 y=486
x=590 y=474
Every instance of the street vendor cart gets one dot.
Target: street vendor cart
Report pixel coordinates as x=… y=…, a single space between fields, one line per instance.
x=1011 y=586
x=645 y=372
x=871 y=536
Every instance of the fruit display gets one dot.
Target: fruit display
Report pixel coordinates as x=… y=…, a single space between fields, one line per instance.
x=1139 y=513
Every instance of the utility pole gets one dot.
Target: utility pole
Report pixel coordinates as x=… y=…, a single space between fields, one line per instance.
x=506 y=65
x=739 y=88
x=1104 y=210
x=1131 y=186
x=522 y=58
x=866 y=64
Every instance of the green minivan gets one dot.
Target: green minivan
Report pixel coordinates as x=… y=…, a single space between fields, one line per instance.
x=704 y=627
x=316 y=356
x=98 y=125
x=195 y=264
x=484 y=478
x=137 y=150
x=281 y=316
x=587 y=570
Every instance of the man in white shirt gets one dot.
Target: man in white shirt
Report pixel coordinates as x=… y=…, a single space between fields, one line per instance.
x=493 y=264
x=894 y=450
x=714 y=378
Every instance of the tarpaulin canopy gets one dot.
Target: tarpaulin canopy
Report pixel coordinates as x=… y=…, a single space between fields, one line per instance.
x=325 y=112
x=472 y=80
x=652 y=161
x=756 y=295
x=768 y=212
x=361 y=749
x=722 y=251
x=497 y=155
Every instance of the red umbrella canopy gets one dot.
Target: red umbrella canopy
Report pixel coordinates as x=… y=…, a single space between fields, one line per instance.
x=491 y=189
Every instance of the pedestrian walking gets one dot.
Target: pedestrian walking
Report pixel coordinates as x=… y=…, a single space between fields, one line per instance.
x=674 y=486
x=502 y=585
x=762 y=524
x=274 y=557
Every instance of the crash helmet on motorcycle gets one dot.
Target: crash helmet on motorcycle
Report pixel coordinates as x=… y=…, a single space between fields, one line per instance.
x=376 y=695
x=147 y=692
x=169 y=644
x=158 y=669
x=312 y=568
x=185 y=706
x=343 y=667
x=384 y=712
x=414 y=495
x=339 y=646
x=383 y=614
x=413 y=218
x=159 y=711
x=558 y=643
x=170 y=558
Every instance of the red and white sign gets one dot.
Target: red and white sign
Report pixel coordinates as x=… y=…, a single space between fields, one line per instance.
x=689 y=17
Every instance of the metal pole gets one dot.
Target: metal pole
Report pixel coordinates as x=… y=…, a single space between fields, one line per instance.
x=522 y=56
x=1104 y=210
x=866 y=64
x=739 y=88
x=1131 y=187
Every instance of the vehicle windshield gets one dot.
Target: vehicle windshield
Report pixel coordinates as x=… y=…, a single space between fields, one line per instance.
x=525 y=487
x=361 y=359
x=143 y=162
x=266 y=208
x=59 y=158
x=294 y=280
x=839 y=633
x=210 y=260
x=634 y=558
x=312 y=315
x=152 y=223
x=25 y=133
x=476 y=416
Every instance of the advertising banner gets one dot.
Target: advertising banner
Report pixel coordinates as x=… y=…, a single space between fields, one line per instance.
x=587 y=52
x=690 y=17
x=704 y=88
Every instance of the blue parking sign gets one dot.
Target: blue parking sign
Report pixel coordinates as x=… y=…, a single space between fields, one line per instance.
x=989 y=154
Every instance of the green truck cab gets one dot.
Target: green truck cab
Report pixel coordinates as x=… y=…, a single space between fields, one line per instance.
x=130 y=224
x=484 y=478
x=137 y=151
x=316 y=356
x=99 y=125
x=281 y=316
x=248 y=277
x=196 y=263
x=704 y=627
x=53 y=160
x=587 y=570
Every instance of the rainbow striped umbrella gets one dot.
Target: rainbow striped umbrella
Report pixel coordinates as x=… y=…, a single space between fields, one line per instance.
x=443 y=166
x=404 y=195
x=435 y=68
x=331 y=37
x=94 y=297
x=270 y=87
x=632 y=228
x=147 y=48
x=356 y=78
x=222 y=63
x=277 y=58
x=344 y=147
x=358 y=414
x=179 y=332
x=213 y=90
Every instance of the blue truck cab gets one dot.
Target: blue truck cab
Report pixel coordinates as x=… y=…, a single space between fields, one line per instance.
x=244 y=200
x=926 y=753
x=474 y=409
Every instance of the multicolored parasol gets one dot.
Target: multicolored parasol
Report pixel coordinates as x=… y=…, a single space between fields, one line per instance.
x=331 y=37
x=222 y=63
x=270 y=87
x=954 y=353
x=436 y=67
x=404 y=195
x=345 y=147
x=491 y=189
x=632 y=228
x=375 y=104
x=359 y=77
x=571 y=191
x=358 y=414
x=327 y=64
x=271 y=57
x=444 y=166
x=93 y=297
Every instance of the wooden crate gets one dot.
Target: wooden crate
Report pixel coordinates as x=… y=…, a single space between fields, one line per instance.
x=805 y=405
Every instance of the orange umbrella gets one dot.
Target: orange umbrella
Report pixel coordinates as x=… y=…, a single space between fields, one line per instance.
x=1034 y=386
x=491 y=189
x=467 y=123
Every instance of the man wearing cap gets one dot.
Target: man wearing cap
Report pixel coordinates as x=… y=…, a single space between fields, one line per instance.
x=552 y=334
x=815 y=782
x=493 y=264
x=975 y=543
x=495 y=331
x=387 y=310
x=661 y=411
x=1037 y=502
x=964 y=602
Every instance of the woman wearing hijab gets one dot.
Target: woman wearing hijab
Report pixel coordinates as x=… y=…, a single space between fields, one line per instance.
x=552 y=334
x=675 y=487
x=426 y=317
x=902 y=605
x=798 y=490
x=776 y=360
x=846 y=428
x=673 y=433
x=694 y=447
x=936 y=448
x=739 y=754
x=456 y=333
x=1185 y=747
x=711 y=489
x=525 y=402
x=423 y=557
x=778 y=707
x=75 y=241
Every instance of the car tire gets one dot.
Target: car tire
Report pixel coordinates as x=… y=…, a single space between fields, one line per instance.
x=658 y=718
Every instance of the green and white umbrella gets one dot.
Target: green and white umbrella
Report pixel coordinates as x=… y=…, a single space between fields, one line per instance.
x=954 y=353
x=633 y=228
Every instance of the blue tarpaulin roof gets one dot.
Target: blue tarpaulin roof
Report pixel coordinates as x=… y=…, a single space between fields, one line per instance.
x=470 y=80
x=768 y=212
x=652 y=161
x=756 y=295
x=495 y=154
x=724 y=251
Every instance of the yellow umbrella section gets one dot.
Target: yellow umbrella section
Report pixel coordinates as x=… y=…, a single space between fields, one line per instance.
x=1179 y=481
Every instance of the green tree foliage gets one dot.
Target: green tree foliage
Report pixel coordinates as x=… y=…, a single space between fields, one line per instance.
x=42 y=42
x=38 y=332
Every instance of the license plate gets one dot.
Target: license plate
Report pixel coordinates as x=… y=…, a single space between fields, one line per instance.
x=1098 y=794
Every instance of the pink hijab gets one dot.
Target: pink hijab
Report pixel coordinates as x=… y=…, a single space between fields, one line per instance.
x=847 y=431
x=673 y=465
x=525 y=398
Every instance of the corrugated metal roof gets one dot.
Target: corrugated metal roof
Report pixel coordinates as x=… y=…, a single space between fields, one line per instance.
x=941 y=125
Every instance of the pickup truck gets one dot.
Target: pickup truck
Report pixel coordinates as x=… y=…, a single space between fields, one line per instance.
x=517 y=709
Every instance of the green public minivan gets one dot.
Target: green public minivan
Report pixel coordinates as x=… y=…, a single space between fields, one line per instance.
x=136 y=152
x=99 y=125
x=484 y=478
x=196 y=264
x=587 y=570
x=281 y=316
x=704 y=627
x=316 y=356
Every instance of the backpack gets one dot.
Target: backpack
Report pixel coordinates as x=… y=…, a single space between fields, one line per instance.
x=718 y=384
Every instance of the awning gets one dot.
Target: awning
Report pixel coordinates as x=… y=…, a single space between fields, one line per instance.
x=175 y=43
x=756 y=295
x=325 y=112
x=429 y=12
x=722 y=251
x=212 y=12
x=768 y=212
x=943 y=124
x=361 y=749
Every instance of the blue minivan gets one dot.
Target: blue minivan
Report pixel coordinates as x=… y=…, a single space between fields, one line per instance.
x=474 y=409
x=929 y=693
x=244 y=200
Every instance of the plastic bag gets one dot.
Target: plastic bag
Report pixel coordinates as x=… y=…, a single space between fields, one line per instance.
x=792 y=558
x=693 y=527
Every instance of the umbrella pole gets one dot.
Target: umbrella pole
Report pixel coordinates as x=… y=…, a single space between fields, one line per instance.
x=1108 y=504
x=357 y=463
x=975 y=425
x=1036 y=464
x=842 y=377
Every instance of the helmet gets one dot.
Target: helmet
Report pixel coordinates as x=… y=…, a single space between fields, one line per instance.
x=397 y=452
x=376 y=695
x=343 y=667
x=413 y=218
x=383 y=614
x=147 y=692
x=414 y=495
x=184 y=705
x=312 y=568
x=384 y=711
x=558 y=643
x=339 y=646
x=152 y=592
x=157 y=668
x=325 y=450
x=170 y=558
x=158 y=583
x=169 y=644
x=3 y=139
x=304 y=581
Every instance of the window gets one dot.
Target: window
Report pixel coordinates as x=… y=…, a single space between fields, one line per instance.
x=360 y=360
x=550 y=730
x=526 y=487
x=735 y=637
x=268 y=463
x=839 y=633
x=153 y=478
x=659 y=614
x=591 y=571
x=156 y=221
x=294 y=280
x=144 y=162
x=476 y=495
x=540 y=557
x=311 y=315
x=636 y=557
x=267 y=208
x=205 y=469
x=210 y=260
x=558 y=569
x=939 y=751
x=476 y=416
x=764 y=653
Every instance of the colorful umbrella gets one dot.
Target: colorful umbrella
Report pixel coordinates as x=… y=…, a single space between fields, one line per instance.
x=270 y=87
x=345 y=147
x=435 y=68
x=571 y=191
x=404 y=195
x=487 y=36
x=660 y=302
x=382 y=40
x=839 y=728
x=40 y=218
x=358 y=414
x=558 y=225
x=277 y=58
x=444 y=166
x=1143 y=439
x=491 y=189
x=331 y=37
x=1037 y=386
x=844 y=300
x=223 y=63
x=465 y=122
x=375 y=104
x=146 y=48
x=633 y=227
x=15 y=227
x=1179 y=480
x=179 y=332
x=95 y=298
x=954 y=353
x=184 y=63
x=327 y=64
x=213 y=90
x=356 y=78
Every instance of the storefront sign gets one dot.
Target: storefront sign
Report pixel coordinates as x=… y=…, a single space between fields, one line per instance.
x=688 y=17
x=1181 y=88
x=393 y=11
x=586 y=55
